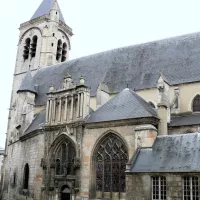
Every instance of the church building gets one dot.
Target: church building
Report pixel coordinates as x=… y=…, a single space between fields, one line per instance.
x=118 y=125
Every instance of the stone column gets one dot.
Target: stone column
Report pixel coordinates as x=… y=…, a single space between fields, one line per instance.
x=81 y=106
x=78 y=106
x=54 y=110
x=59 y=110
x=47 y=112
x=50 y=111
x=65 y=111
x=84 y=104
x=72 y=106
x=162 y=114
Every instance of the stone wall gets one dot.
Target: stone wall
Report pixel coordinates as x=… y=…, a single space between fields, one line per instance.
x=90 y=140
x=1 y=163
x=19 y=153
x=139 y=186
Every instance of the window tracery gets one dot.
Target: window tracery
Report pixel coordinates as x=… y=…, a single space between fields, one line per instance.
x=110 y=162
x=64 y=160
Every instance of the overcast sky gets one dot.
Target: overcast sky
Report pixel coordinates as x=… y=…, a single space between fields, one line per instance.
x=98 y=25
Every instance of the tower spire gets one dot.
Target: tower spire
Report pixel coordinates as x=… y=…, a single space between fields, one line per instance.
x=45 y=8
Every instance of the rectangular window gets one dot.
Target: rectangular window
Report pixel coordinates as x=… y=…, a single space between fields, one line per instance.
x=190 y=188
x=158 y=188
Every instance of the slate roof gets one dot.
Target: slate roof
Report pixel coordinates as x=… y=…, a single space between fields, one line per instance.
x=45 y=8
x=37 y=123
x=126 y=105
x=140 y=66
x=174 y=153
x=185 y=120
x=27 y=84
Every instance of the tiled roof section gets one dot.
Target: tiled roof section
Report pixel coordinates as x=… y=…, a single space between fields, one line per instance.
x=175 y=153
x=126 y=105
x=185 y=120
x=27 y=84
x=37 y=123
x=140 y=66
x=45 y=8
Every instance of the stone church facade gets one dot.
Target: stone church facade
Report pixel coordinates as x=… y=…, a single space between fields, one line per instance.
x=122 y=124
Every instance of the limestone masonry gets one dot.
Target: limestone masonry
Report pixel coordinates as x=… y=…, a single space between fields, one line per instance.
x=121 y=125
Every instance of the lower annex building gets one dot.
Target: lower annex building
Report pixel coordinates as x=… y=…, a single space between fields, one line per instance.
x=121 y=124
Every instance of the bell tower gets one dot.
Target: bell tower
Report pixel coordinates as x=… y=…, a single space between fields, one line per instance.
x=44 y=40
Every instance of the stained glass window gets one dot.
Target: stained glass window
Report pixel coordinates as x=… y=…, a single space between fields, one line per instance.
x=65 y=159
x=111 y=159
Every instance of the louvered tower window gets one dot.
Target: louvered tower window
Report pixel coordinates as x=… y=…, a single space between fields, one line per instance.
x=196 y=104
x=34 y=46
x=64 y=52
x=64 y=161
x=27 y=48
x=59 y=50
x=111 y=158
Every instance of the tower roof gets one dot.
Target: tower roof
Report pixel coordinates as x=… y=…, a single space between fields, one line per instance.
x=126 y=105
x=27 y=84
x=45 y=8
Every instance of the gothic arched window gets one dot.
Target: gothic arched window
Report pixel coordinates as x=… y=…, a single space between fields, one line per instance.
x=111 y=158
x=27 y=48
x=196 y=104
x=34 y=46
x=64 y=52
x=26 y=176
x=64 y=161
x=59 y=50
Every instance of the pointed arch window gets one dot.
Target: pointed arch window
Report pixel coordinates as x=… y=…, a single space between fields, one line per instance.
x=59 y=50
x=111 y=158
x=34 y=46
x=196 y=104
x=65 y=159
x=64 y=52
x=26 y=176
x=26 y=48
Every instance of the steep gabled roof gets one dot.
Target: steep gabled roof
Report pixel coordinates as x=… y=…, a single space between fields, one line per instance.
x=27 y=84
x=140 y=66
x=45 y=8
x=37 y=122
x=174 y=153
x=126 y=105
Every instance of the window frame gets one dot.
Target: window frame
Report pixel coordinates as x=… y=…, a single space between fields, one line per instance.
x=159 y=187
x=194 y=107
x=191 y=187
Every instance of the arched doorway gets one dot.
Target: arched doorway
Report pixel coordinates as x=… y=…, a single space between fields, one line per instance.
x=65 y=193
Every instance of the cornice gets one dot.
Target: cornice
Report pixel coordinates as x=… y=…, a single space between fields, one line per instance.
x=127 y=122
